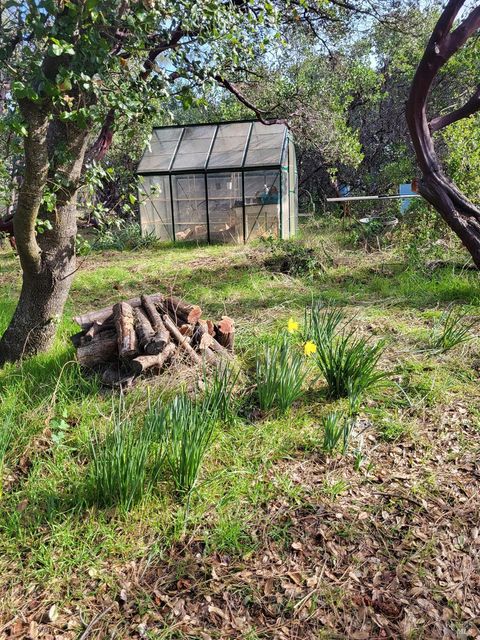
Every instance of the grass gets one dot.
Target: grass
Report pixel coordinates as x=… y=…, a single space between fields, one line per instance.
x=451 y=330
x=259 y=481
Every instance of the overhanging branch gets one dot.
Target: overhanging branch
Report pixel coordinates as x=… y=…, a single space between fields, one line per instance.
x=468 y=109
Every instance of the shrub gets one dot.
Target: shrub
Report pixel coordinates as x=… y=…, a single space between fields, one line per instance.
x=292 y=258
x=118 y=473
x=126 y=237
x=279 y=375
x=451 y=330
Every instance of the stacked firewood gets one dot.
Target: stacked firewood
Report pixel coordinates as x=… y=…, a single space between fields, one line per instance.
x=130 y=338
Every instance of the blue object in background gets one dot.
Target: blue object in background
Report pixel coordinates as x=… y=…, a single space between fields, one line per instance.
x=405 y=190
x=344 y=190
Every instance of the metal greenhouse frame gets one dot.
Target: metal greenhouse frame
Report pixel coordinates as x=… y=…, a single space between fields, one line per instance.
x=239 y=156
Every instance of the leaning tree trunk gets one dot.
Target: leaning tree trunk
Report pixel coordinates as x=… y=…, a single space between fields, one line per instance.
x=462 y=216
x=47 y=258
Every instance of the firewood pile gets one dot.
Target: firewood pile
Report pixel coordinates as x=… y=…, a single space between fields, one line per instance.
x=145 y=334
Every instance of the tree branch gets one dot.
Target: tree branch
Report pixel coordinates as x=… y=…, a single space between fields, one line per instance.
x=468 y=109
x=229 y=86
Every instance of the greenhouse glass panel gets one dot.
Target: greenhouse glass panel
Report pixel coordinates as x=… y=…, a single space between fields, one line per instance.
x=190 y=207
x=161 y=151
x=293 y=187
x=266 y=144
x=262 y=203
x=284 y=214
x=229 y=146
x=194 y=148
x=155 y=207
x=225 y=208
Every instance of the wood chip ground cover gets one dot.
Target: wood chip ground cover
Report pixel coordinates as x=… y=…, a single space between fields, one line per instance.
x=281 y=541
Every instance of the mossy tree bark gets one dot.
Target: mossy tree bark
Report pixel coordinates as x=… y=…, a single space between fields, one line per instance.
x=54 y=155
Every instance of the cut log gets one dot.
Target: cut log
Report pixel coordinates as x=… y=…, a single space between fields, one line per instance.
x=210 y=328
x=125 y=326
x=86 y=320
x=117 y=375
x=150 y=342
x=103 y=348
x=77 y=339
x=201 y=336
x=143 y=328
x=140 y=364
x=162 y=337
x=181 y=312
x=204 y=347
x=186 y=330
x=225 y=333
x=97 y=327
x=182 y=341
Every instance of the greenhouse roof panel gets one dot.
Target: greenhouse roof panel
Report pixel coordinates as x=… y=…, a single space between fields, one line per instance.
x=213 y=146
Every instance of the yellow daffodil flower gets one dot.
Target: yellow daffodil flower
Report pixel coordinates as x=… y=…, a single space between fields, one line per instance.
x=292 y=326
x=309 y=348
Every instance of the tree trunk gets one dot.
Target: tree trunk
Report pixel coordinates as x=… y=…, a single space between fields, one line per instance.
x=459 y=213
x=48 y=258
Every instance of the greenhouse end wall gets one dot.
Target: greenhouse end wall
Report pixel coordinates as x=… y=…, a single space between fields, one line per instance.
x=216 y=203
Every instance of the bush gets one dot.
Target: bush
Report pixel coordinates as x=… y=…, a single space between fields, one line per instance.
x=292 y=258
x=126 y=237
x=279 y=376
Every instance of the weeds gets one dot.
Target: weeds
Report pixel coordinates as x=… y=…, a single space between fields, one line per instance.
x=292 y=258
x=451 y=330
x=127 y=237
x=279 y=376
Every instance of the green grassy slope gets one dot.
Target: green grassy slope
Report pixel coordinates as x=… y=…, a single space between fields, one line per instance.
x=277 y=536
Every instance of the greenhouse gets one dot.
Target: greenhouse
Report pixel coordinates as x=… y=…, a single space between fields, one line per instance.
x=226 y=182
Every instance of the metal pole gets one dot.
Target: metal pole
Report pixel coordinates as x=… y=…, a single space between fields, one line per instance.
x=206 y=208
x=352 y=198
x=171 y=206
x=245 y=151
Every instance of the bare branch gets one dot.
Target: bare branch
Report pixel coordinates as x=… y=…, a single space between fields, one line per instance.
x=468 y=109
x=229 y=86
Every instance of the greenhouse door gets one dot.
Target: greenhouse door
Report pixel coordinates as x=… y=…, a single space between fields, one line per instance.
x=190 y=207
x=155 y=207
